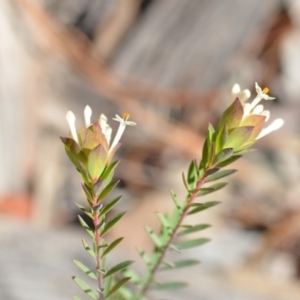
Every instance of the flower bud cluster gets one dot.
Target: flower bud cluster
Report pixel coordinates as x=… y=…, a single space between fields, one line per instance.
x=89 y=148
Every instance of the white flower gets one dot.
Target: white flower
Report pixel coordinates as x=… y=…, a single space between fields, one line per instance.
x=275 y=125
x=106 y=129
x=87 y=116
x=243 y=95
x=123 y=123
x=71 y=121
x=261 y=95
x=254 y=108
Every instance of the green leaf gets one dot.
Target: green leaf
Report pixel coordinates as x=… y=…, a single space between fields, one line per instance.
x=76 y=298
x=194 y=229
x=164 y=221
x=112 y=246
x=85 y=210
x=112 y=222
x=223 y=155
x=109 y=206
x=170 y=286
x=73 y=151
x=88 y=194
x=175 y=248
x=215 y=187
x=156 y=240
x=126 y=293
x=228 y=161
x=118 y=267
x=85 y=269
x=238 y=137
x=192 y=175
x=219 y=175
x=175 y=199
x=84 y=173
x=203 y=206
x=232 y=116
x=88 y=249
x=181 y=264
x=85 y=287
x=221 y=138
x=96 y=162
x=192 y=243
x=211 y=171
x=118 y=285
x=107 y=190
x=184 y=181
x=86 y=227
x=107 y=285
x=109 y=171
x=144 y=256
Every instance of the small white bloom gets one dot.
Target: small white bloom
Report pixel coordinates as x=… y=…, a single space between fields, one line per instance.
x=105 y=128
x=71 y=121
x=243 y=95
x=261 y=95
x=123 y=123
x=275 y=125
x=87 y=116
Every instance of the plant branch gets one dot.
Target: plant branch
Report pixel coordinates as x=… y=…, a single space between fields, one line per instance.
x=97 y=234
x=160 y=252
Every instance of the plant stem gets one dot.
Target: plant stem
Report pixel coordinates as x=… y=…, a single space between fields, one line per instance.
x=97 y=234
x=160 y=253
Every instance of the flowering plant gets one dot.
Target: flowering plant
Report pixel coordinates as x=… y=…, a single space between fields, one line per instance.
x=90 y=151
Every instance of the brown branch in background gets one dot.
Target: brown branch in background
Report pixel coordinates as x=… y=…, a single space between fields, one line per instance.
x=115 y=27
x=74 y=49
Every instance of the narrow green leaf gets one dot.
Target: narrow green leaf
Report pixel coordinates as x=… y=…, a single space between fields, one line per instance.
x=203 y=206
x=221 y=138
x=181 y=264
x=220 y=175
x=85 y=210
x=184 y=181
x=175 y=248
x=211 y=171
x=96 y=162
x=88 y=249
x=228 y=161
x=213 y=188
x=223 y=155
x=85 y=269
x=118 y=267
x=107 y=190
x=108 y=172
x=86 y=227
x=109 y=206
x=134 y=276
x=88 y=194
x=76 y=298
x=84 y=173
x=118 y=285
x=126 y=293
x=144 y=256
x=192 y=243
x=85 y=287
x=164 y=221
x=112 y=222
x=156 y=240
x=112 y=246
x=107 y=285
x=194 y=229
x=192 y=175
x=170 y=286
x=175 y=199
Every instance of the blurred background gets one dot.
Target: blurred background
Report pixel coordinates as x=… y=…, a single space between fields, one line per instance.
x=170 y=64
